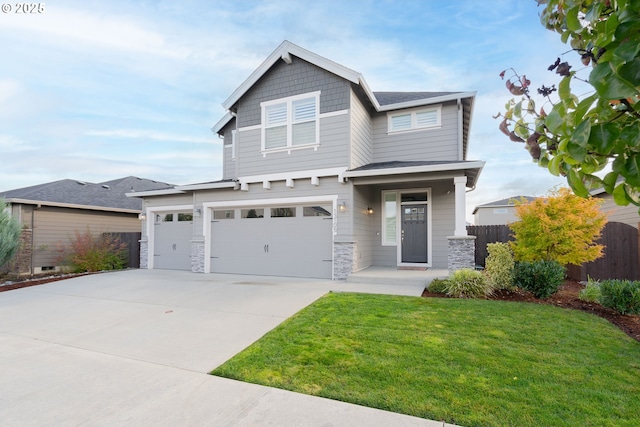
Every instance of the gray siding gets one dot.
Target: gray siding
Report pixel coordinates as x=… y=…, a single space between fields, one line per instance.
x=430 y=144
x=626 y=214
x=361 y=148
x=284 y=80
x=332 y=152
x=363 y=226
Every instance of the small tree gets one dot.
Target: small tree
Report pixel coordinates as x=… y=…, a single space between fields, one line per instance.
x=561 y=227
x=10 y=230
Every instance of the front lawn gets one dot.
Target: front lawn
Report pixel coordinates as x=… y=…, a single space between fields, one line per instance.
x=469 y=362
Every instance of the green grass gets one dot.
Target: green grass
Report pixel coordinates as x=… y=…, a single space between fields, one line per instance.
x=469 y=362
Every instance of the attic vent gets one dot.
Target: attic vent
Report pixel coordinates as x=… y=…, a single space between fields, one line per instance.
x=105 y=186
x=81 y=182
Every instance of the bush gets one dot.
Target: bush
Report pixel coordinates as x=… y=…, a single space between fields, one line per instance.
x=622 y=296
x=468 y=283
x=87 y=252
x=499 y=265
x=438 y=286
x=591 y=292
x=541 y=278
x=10 y=230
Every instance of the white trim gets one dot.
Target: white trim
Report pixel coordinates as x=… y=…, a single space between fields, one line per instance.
x=208 y=207
x=150 y=221
x=165 y=192
x=427 y=101
x=289 y=121
x=334 y=113
x=249 y=128
x=234 y=133
x=70 y=205
x=416 y=169
x=222 y=122
x=283 y=176
x=207 y=186
x=383 y=240
x=289 y=149
x=399 y=227
x=413 y=120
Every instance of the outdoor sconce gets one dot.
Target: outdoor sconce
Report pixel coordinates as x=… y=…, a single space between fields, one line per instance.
x=197 y=213
x=142 y=216
x=343 y=206
x=369 y=210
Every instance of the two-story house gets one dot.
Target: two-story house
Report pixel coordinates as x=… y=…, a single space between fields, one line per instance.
x=321 y=178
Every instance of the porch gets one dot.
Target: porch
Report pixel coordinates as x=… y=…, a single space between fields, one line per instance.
x=394 y=276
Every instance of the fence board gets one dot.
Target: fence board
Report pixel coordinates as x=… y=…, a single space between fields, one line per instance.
x=621 y=258
x=132 y=240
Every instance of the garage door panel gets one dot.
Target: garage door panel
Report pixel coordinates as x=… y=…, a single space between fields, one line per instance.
x=172 y=245
x=287 y=246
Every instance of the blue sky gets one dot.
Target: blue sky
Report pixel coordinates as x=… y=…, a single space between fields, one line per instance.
x=97 y=90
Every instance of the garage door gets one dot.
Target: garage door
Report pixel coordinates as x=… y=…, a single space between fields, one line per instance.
x=294 y=241
x=172 y=240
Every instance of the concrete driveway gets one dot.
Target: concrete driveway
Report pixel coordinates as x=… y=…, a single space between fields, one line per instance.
x=134 y=348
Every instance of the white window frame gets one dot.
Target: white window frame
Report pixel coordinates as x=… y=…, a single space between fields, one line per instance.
x=386 y=240
x=290 y=122
x=414 y=126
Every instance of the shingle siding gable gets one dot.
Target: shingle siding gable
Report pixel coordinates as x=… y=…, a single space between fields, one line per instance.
x=284 y=80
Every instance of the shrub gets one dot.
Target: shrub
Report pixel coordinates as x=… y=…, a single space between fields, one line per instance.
x=622 y=296
x=542 y=278
x=438 y=286
x=88 y=252
x=468 y=283
x=591 y=292
x=499 y=265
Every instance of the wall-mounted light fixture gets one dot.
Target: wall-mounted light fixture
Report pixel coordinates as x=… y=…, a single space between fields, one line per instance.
x=142 y=216
x=342 y=207
x=369 y=210
x=197 y=213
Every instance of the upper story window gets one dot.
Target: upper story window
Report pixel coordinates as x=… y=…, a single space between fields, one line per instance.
x=290 y=122
x=423 y=118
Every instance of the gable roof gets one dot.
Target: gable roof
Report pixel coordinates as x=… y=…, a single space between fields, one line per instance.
x=381 y=101
x=108 y=195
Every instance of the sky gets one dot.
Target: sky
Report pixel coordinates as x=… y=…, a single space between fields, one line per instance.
x=98 y=90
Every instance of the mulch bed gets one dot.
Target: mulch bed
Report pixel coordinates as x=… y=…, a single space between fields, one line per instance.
x=567 y=297
x=36 y=280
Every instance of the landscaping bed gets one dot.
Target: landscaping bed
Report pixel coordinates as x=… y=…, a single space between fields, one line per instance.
x=23 y=282
x=567 y=297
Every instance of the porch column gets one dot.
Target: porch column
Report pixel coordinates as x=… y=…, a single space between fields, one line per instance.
x=461 y=206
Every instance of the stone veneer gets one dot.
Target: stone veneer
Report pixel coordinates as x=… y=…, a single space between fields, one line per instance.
x=343 y=259
x=144 y=253
x=197 y=255
x=21 y=261
x=461 y=252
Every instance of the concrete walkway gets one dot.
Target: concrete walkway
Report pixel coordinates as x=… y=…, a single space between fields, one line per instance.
x=134 y=348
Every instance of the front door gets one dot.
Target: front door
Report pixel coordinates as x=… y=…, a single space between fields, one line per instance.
x=414 y=233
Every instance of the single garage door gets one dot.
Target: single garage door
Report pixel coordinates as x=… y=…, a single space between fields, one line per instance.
x=172 y=241
x=294 y=241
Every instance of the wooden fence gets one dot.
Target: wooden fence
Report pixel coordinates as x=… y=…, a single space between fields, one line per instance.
x=620 y=261
x=132 y=240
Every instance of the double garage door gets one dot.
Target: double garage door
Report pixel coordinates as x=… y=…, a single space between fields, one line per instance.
x=294 y=241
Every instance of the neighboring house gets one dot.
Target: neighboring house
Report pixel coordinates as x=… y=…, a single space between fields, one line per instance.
x=500 y=212
x=51 y=212
x=321 y=178
x=616 y=213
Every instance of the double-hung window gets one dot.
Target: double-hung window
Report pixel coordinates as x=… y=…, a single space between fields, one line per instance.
x=415 y=119
x=290 y=122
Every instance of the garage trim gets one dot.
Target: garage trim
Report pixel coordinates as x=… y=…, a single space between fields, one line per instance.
x=151 y=213
x=209 y=206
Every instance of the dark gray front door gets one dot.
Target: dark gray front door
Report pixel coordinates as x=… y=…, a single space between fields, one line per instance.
x=414 y=233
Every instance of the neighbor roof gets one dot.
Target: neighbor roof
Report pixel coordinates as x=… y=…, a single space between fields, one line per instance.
x=75 y=193
x=511 y=201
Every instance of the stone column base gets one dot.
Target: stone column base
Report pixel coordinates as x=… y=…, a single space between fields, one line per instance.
x=343 y=259
x=144 y=253
x=197 y=256
x=461 y=252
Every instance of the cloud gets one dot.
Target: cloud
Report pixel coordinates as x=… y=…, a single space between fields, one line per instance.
x=149 y=135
